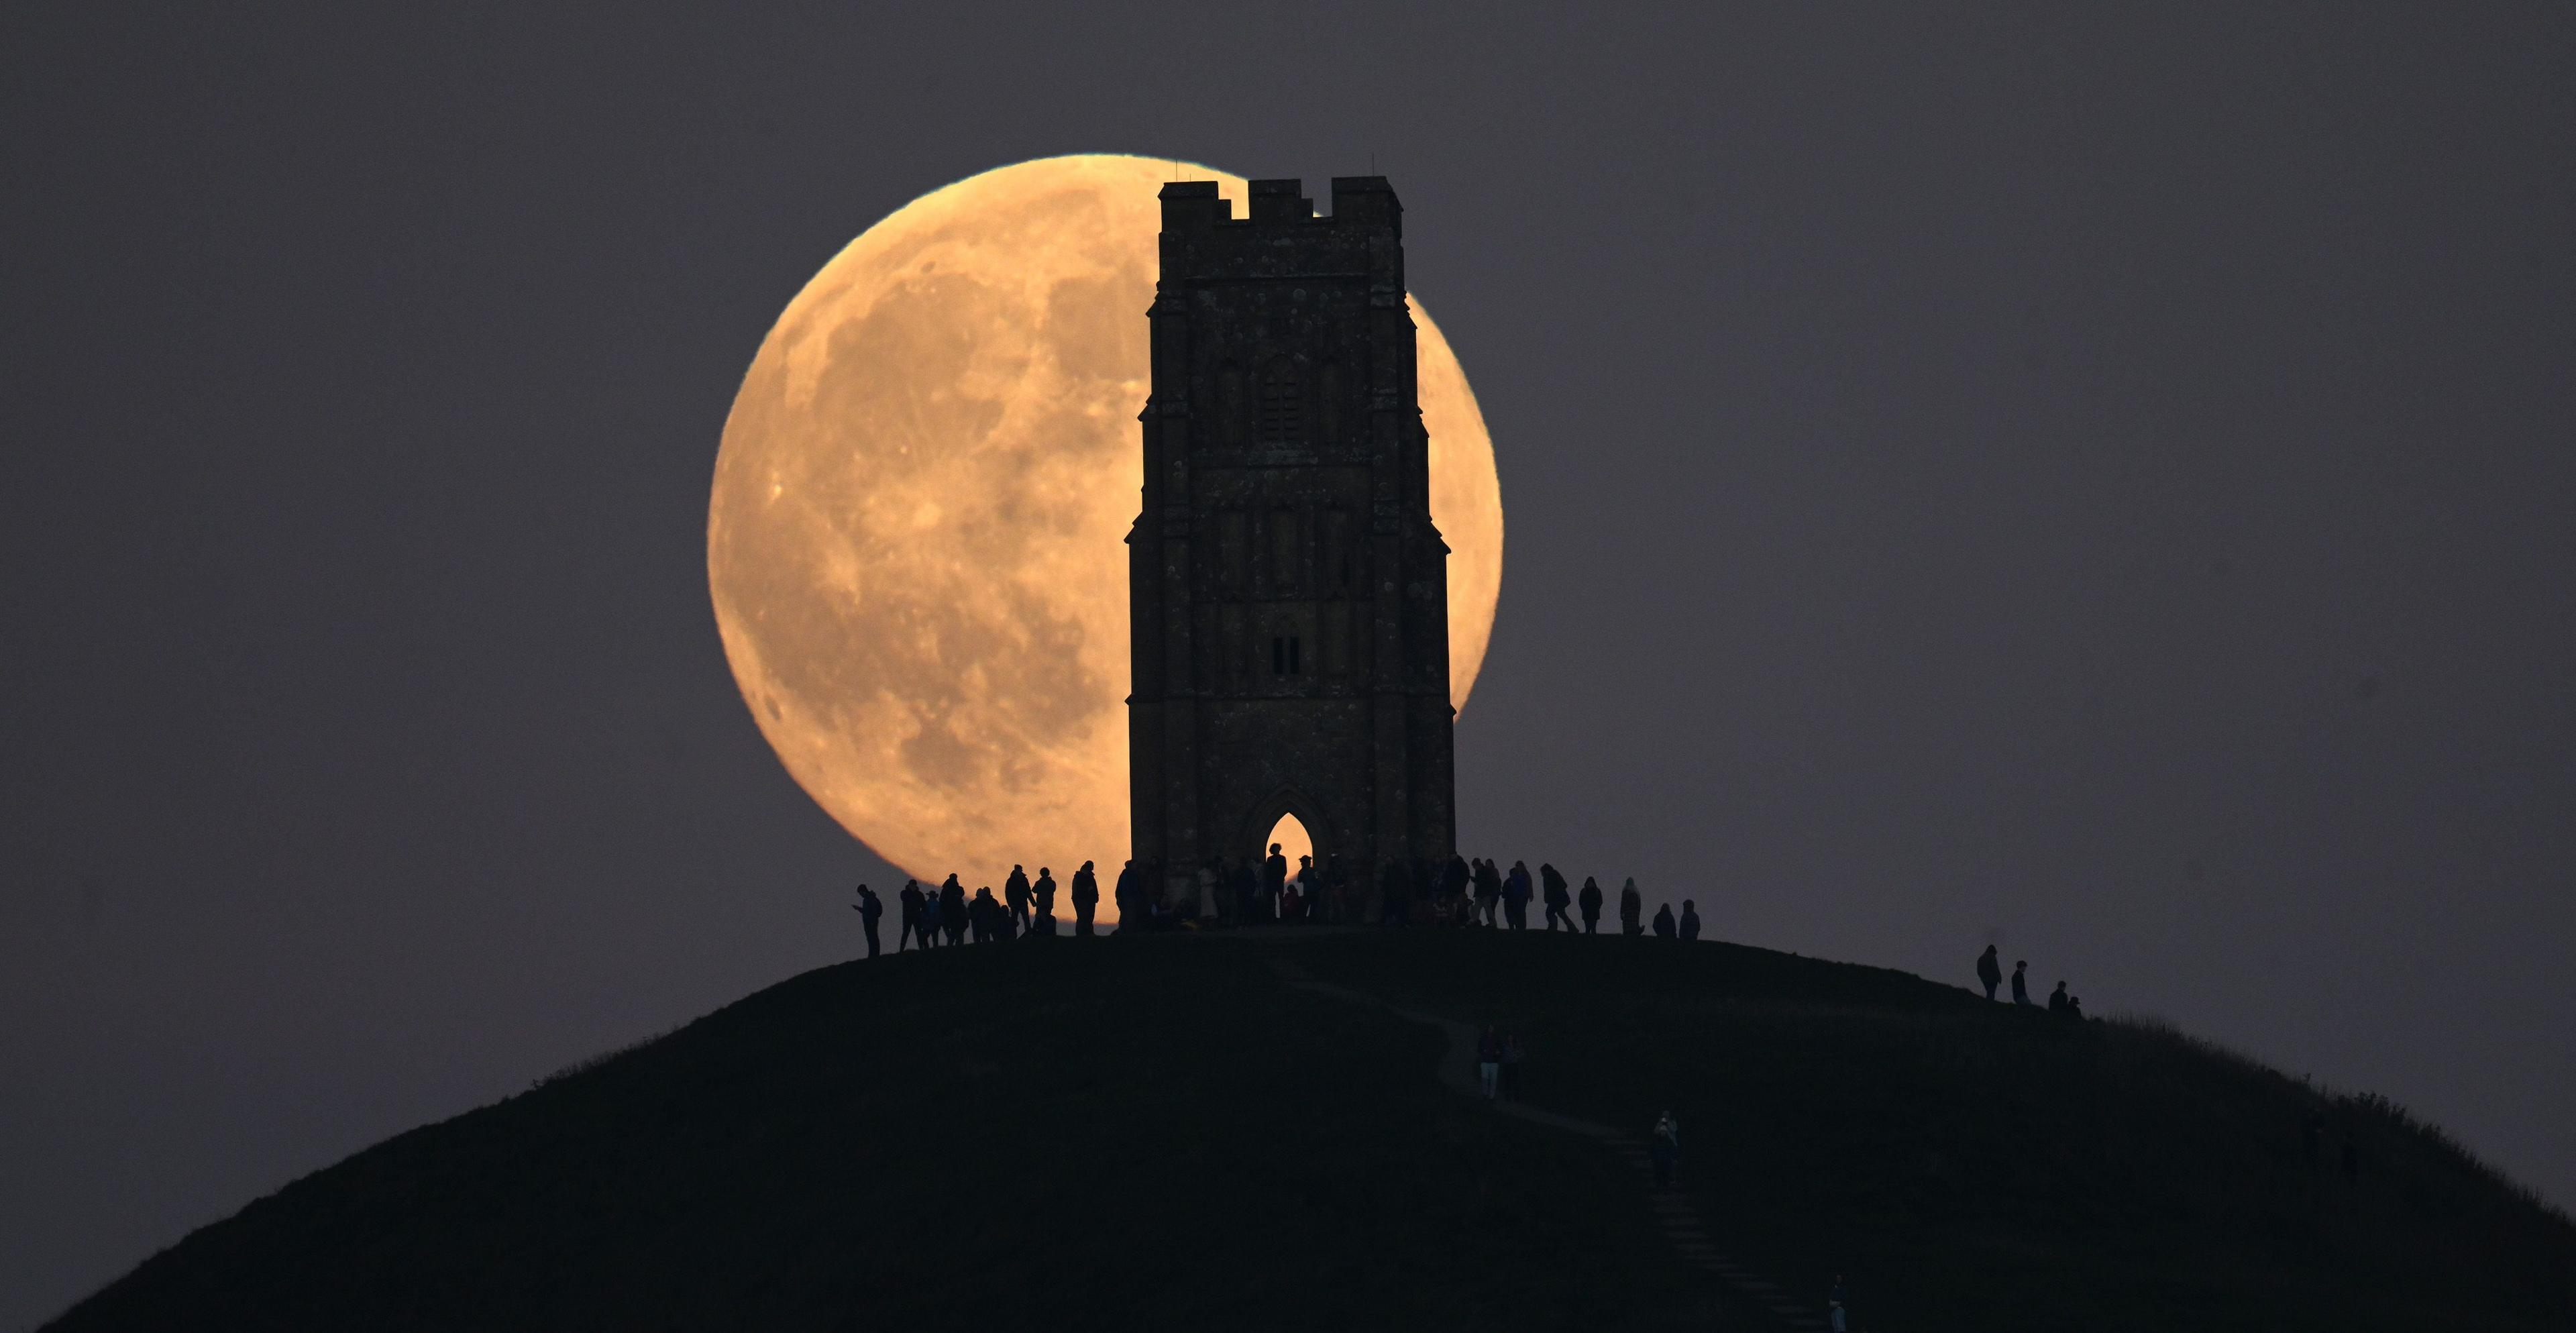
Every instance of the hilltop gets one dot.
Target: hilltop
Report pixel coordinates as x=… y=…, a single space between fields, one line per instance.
x=1166 y=1132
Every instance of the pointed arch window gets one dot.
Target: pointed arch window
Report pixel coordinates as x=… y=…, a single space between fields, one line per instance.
x=1280 y=401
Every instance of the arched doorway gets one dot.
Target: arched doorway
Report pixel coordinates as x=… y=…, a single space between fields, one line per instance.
x=1293 y=839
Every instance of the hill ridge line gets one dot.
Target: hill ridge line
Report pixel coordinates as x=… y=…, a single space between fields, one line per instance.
x=1676 y=1217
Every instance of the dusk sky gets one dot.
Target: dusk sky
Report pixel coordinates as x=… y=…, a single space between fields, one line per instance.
x=2098 y=482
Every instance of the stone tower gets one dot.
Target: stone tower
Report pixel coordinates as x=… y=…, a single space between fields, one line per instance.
x=1288 y=592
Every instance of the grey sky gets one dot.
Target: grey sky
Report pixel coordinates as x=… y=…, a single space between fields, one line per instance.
x=2098 y=481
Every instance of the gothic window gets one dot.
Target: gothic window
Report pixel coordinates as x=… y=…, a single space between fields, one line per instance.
x=1329 y=404
x=1229 y=403
x=1279 y=405
x=1339 y=572
x=1283 y=551
x=1232 y=540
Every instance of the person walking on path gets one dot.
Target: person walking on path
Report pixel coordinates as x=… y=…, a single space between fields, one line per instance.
x=1690 y=920
x=1990 y=971
x=1552 y=891
x=1489 y=1062
x=1632 y=905
x=952 y=910
x=1015 y=895
x=1664 y=928
x=1086 y=897
x=1516 y=895
x=1489 y=892
x=1665 y=1147
x=910 y=901
x=1589 y=903
x=870 y=911
x=1834 y=1305
x=1042 y=893
x=2021 y=981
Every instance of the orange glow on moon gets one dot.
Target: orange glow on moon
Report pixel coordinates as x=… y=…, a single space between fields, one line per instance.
x=915 y=536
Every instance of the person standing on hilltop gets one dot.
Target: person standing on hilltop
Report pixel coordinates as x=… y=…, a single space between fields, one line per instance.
x=870 y=911
x=1665 y=1147
x=1589 y=902
x=2021 y=981
x=1124 y=894
x=1632 y=905
x=2057 y=999
x=1664 y=927
x=1086 y=896
x=1454 y=879
x=1552 y=892
x=1042 y=893
x=929 y=918
x=1690 y=920
x=1990 y=971
x=1489 y=891
x=1516 y=896
x=1015 y=895
x=1274 y=884
x=952 y=910
x=910 y=900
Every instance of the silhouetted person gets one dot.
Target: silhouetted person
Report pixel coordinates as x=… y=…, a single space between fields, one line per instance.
x=1337 y=891
x=1552 y=892
x=1632 y=906
x=1489 y=891
x=981 y=914
x=2057 y=999
x=1489 y=1062
x=869 y=910
x=1274 y=881
x=1516 y=895
x=1664 y=927
x=1834 y=1305
x=1015 y=895
x=1454 y=879
x=1588 y=902
x=1124 y=893
x=1207 y=880
x=1665 y=1147
x=930 y=918
x=2074 y=1006
x=1043 y=893
x=1086 y=896
x=2021 y=981
x=952 y=910
x=1990 y=970
x=1690 y=920
x=910 y=900
x=1297 y=902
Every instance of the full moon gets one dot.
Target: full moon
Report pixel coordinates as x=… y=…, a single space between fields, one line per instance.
x=915 y=542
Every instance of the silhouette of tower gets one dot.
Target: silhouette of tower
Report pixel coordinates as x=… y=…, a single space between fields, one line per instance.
x=1288 y=592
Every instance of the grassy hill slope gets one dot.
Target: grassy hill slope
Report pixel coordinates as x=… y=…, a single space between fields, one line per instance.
x=1161 y=1133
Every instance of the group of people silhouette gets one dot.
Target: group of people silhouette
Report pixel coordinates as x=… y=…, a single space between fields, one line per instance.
x=1990 y=973
x=1267 y=891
